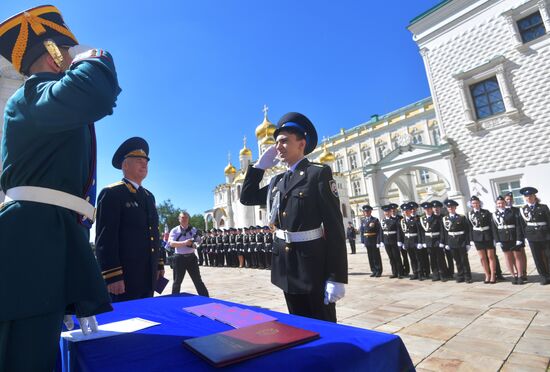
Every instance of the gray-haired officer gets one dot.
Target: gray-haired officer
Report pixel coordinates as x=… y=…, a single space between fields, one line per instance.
x=369 y=230
x=536 y=221
x=309 y=251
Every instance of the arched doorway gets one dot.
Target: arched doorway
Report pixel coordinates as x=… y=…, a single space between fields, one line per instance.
x=417 y=184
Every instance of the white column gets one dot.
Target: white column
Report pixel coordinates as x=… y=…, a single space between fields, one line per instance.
x=544 y=14
x=512 y=28
x=453 y=180
x=424 y=52
x=505 y=90
x=427 y=133
x=468 y=115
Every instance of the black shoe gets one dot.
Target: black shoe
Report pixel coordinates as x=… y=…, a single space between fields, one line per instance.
x=393 y=276
x=469 y=281
x=515 y=280
x=500 y=277
x=378 y=275
x=435 y=278
x=413 y=277
x=545 y=281
x=460 y=280
x=372 y=275
x=400 y=277
x=524 y=278
x=444 y=280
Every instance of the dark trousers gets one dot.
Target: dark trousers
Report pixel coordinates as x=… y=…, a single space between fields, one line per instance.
x=450 y=263
x=395 y=259
x=311 y=305
x=375 y=260
x=202 y=255
x=30 y=344
x=188 y=262
x=460 y=255
x=437 y=262
x=541 y=256
x=352 y=245
x=268 y=255
x=423 y=262
x=406 y=266
x=261 y=260
x=411 y=250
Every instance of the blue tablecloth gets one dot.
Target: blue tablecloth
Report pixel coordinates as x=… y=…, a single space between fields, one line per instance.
x=159 y=348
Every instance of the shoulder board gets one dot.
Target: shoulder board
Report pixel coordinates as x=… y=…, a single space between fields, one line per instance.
x=115 y=184
x=318 y=164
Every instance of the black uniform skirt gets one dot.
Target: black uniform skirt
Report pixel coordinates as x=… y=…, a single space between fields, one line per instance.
x=484 y=245
x=510 y=246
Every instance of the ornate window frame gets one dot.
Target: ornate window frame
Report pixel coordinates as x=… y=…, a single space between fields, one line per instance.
x=512 y=16
x=496 y=67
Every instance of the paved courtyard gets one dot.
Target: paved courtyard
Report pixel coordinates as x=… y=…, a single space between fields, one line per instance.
x=445 y=326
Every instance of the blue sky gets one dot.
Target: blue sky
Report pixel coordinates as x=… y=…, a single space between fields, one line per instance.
x=196 y=74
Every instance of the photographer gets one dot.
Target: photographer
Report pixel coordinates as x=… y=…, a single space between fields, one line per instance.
x=184 y=239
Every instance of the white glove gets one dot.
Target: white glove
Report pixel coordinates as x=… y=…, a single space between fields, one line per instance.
x=498 y=245
x=87 y=324
x=424 y=245
x=399 y=244
x=419 y=246
x=447 y=248
x=268 y=159
x=334 y=291
x=519 y=242
x=441 y=245
x=78 y=49
x=468 y=248
x=472 y=244
x=381 y=245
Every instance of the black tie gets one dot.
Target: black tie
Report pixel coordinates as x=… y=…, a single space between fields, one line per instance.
x=286 y=178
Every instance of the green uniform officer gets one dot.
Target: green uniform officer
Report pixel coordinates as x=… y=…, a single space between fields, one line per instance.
x=48 y=152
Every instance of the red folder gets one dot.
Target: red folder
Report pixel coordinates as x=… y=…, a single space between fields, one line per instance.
x=236 y=345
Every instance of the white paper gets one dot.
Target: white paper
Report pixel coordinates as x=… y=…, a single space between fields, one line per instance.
x=110 y=329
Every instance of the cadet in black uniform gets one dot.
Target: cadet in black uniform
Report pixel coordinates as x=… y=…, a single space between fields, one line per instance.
x=201 y=250
x=536 y=220
x=509 y=199
x=508 y=235
x=268 y=238
x=212 y=247
x=432 y=239
x=457 y=237
x=482 y=238
x=127 y=230
x=351 y=234
x=448 y=254
x=388 y=238
x=309 y=251
x=260 y=247
x=246 y=247
x=411 y=242
x=369 y=230
x=403 y=252
x=240 y=247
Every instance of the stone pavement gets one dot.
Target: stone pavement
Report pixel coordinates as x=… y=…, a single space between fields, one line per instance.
x=445 y=326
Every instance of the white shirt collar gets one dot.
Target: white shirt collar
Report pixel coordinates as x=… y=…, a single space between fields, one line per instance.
x=136 y=186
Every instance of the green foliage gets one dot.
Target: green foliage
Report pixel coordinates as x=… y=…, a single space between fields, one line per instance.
x=168 y=215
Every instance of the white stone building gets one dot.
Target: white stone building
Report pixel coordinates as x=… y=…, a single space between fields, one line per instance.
x=487 y=64
x=10 y=80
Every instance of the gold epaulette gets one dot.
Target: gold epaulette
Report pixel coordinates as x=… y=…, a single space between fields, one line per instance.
x=115 y=184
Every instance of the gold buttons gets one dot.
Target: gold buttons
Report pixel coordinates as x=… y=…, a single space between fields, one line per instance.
x=301 y=193
x=287 y=248
x=152 y=238
x=284 y=214
x=152 y=250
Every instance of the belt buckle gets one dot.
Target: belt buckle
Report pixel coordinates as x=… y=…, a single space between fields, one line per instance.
x=287 y=236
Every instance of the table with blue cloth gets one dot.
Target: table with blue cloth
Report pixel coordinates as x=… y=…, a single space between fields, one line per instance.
x=159 y=348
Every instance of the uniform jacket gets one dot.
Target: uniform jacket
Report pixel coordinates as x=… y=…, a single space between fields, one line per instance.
x=49 y=141
x=480 y=224
x=536 y=222
x=457 y=231
x=506 y=226
x=351 y=232
x=410 y=228
x=369 y=230
x=127 y=237
x=431 y=231
x=309 y=200
x=390 y=231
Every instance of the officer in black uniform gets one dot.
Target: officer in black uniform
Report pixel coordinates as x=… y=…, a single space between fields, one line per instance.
x=536 y=221
x=260 y=247
x=448 y=254
x=127 y=230
x=432 y=239
x=246 y=247
x=457 y=238
x=268 y=239
x=226 y=248
x=351 y=234
x=220 y=261
x=369 y=230
x=403 y=252
x=309 y=251
x=212 y=247
x=201 y=250
x=411 y=241
x=388 y=238
x=252 y=247
x=240 y=247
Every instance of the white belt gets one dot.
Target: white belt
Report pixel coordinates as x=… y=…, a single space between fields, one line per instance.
x=432 y=234
x=389 y=232
x=456 y=233
x=410 y=235
x=536 y=223
x=299 y=236
x=504 y=227
x=52 y=197
x=484 y=228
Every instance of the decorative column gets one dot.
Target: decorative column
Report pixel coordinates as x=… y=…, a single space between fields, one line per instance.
x=468 y=115
x=505 y=90
x=544 y=14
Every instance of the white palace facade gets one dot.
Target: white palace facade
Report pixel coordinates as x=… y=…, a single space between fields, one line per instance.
x=484 y=131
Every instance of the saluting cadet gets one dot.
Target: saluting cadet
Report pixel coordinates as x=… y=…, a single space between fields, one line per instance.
x=403 y=252
x=457 y=236
x=390 y=239
x=127 y=231
x=482 y=238
x=260 y=247
x=437 y=205
x=369 y=230
x=309 y=251
x=411 y=242
x=509 y=199
x=432 y=239
x=48 y=151
x=508 y=236
x=536 y=220
x=268 y=238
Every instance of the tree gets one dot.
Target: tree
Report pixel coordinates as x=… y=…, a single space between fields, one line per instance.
x=197 y=220
x=168 y=215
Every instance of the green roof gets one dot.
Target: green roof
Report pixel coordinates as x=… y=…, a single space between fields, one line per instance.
x=429 y=11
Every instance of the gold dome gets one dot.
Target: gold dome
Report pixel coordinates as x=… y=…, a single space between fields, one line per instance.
x=269 y=140
x=326 y=156
x=266 y=128
x=230 y=169
x=245 y=151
